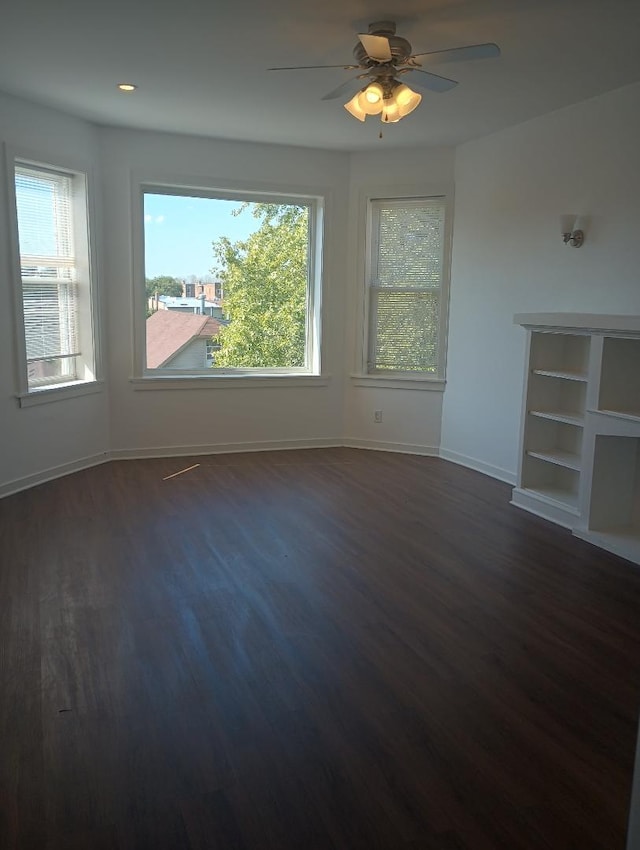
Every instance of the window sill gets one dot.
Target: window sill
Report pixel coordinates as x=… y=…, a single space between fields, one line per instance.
x=399 y=383
x=191 y=382
x=59 y=392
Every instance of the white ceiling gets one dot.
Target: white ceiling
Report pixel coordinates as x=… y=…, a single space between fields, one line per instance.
x=201 y=66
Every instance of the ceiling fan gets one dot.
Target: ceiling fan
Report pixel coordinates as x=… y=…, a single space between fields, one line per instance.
x=382 y=57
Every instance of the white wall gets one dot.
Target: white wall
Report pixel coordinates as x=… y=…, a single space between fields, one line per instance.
x=411 y=417
x=508 y=256
x=221 y=418
x=61 y=434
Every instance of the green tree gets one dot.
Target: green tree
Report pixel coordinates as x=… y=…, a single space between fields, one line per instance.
x=265 y=289
x=163 y=285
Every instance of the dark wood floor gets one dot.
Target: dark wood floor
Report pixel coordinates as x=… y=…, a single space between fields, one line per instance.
x=315 y=649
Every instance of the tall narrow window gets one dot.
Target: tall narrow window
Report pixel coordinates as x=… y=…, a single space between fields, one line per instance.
x=54 y=263
x=406 y=287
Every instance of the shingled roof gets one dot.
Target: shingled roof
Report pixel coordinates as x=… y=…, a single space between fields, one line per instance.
x=169 y=331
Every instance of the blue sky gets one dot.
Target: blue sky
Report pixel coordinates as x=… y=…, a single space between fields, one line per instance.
x=178 y=232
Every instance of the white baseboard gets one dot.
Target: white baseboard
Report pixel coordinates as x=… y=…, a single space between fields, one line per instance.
x=479 y=466
x=28 y=481
x=223 y=448
x=266 y=445
x=381 y=446
x=544 y=507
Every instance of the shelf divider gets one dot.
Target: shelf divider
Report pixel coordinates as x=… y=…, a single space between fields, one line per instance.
x=564 y=374
x=568 y=417
x=633 y=415
x=563 y=497
x=558 y=457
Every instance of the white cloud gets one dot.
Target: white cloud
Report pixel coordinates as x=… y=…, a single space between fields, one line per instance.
x=159 y=219
x=148 y=218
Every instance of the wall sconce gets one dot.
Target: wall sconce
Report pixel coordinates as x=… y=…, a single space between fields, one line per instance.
x=571 y=229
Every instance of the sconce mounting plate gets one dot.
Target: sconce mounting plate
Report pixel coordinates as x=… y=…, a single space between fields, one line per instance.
x=577 y=238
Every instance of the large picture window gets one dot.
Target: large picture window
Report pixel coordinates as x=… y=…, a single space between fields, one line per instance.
x=406 y=287
x=54 y=274
x=231 y=283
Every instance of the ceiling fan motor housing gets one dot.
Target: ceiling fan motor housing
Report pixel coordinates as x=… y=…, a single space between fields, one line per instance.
x=400 y=47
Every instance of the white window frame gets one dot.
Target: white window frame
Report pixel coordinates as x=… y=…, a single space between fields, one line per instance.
x=88 y=366
x=361 y=376
x=308 y=375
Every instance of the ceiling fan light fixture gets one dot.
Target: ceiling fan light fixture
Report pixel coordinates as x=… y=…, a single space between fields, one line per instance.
x=371 y=99
x=406 y=99
x=381 y=55
x=392 y=104
x=367 y=106
x=353 y=108
x=373 y=94
x=390 y=112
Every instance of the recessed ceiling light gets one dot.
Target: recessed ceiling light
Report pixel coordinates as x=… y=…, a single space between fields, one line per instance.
x=127 y=86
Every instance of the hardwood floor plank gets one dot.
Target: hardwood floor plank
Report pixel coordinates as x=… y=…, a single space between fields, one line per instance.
x=211 y=823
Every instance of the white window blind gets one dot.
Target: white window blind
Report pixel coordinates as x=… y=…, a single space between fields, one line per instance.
x=44 y=202
x=405 y=287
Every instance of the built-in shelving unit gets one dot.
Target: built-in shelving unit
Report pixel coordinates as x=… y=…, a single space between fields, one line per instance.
x=553 y=425
x=614 y=515
x=619 y=390
x=580 y=435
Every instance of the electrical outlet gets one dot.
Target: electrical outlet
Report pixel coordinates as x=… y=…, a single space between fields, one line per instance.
x=377 y=416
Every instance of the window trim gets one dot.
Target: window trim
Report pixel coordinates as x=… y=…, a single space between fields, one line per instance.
x=400 y=380
x=85 y=218
x=58 y=392
x=319 y=201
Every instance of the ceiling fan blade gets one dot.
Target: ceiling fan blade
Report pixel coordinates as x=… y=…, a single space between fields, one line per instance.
x=349 y=88
x=377 y=47
x=426 y=80
x=459 y=54
x=311 y=67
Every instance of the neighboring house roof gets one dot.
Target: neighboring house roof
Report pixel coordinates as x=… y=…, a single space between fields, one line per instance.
x=168 y=332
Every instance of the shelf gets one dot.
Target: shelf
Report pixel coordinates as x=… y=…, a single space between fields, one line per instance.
x=620 y=377
x=614 y=511
x=564 y=375
x=560 y=416
x=561 y=400
x=558 y=355
x=558 y=495
x=632 y=415
x=549 y=481
x=559 y=457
